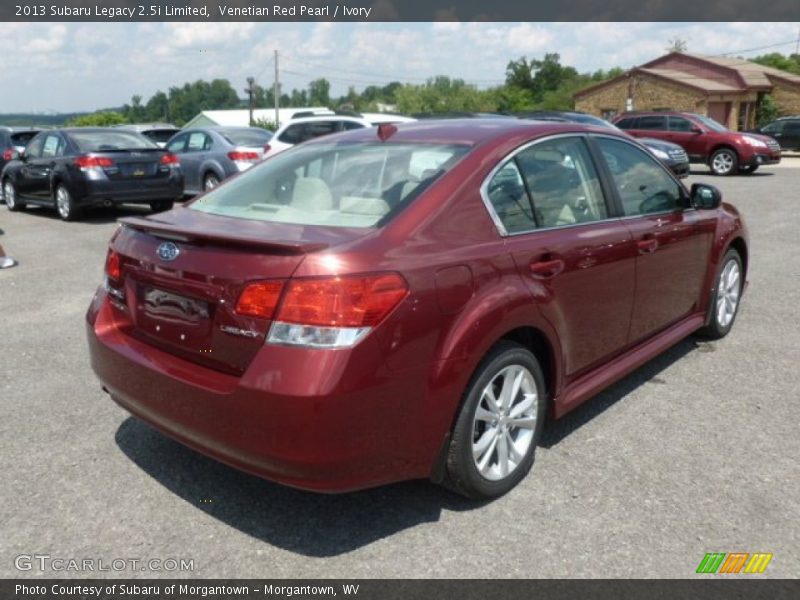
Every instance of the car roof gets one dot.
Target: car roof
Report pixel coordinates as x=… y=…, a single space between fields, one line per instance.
x=466 y=131
x=317 y=118
x=146 y=126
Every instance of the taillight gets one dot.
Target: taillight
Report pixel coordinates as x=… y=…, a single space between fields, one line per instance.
x=93 y=162
x=335 y=312
x=240 y=155
x=113 y=265
x=259 y=299
x=170 y=159
x=342 y=301
x=8 y=155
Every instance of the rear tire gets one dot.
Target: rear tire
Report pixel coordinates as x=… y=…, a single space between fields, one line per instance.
x=65 y=204
x=724 y=162
x=499 y=424
x=161 y=205
x=10 y=195
x=726 y=298
x=210 y=181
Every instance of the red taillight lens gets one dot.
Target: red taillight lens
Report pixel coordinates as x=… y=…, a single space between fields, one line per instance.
x=259 y=299
x=8 y=155
x=240 y=155
x=360 y=301
x=113 y=265
x=93 y=162
x=170 y=159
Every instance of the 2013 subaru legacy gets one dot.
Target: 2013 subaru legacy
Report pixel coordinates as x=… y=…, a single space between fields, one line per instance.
x=410 y=301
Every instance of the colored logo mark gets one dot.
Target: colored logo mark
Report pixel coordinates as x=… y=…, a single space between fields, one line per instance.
x=734 y=562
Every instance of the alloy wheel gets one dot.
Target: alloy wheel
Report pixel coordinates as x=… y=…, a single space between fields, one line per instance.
x=10 y=195
x=210 y=182
x=504 y=423
x=728 y=291
x=63 y=203
x=722 y=163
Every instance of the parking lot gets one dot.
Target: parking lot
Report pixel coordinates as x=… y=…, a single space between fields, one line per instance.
x=696 y=452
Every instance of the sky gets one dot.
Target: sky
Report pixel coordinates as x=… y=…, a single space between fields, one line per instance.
x=65 y=67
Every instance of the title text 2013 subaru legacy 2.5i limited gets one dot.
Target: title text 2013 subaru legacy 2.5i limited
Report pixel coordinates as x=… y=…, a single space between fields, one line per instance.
x=410 y=301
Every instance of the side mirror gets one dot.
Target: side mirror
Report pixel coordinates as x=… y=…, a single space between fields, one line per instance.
x=696 y=130
x=705 y=197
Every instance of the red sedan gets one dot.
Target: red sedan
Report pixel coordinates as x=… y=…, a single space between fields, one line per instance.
x=410 y=301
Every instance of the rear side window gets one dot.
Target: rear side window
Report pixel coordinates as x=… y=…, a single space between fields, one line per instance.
x=509 y=199
x=198 y=141
x=643 y=185
x=340 y=185
x=652 y=123
x=627 y=123
x=103 y=141
x=294 y=134
x=178 y=144
x=53 y=146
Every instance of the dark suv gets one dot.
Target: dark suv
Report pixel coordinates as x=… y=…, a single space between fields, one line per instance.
x=785 y=130
x=672 y=155
x=726 y=152
x=13 y=141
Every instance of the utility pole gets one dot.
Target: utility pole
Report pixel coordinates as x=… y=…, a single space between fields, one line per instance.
x=276 y=91
x=250 y=91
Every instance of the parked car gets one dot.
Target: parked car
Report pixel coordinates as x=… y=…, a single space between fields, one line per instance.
x=726 y=152
x=672 y=155
x=302 y=129
x=785 y=130
x=13 y=141
x=209 y=155
x=411 y=303
x=77 y=168
x=160 y=133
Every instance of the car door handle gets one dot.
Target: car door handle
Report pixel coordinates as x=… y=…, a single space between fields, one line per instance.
x=647 y=245
x=544 y=269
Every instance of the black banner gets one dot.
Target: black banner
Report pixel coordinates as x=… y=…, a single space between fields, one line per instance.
x=397 y=10
x=734 y=587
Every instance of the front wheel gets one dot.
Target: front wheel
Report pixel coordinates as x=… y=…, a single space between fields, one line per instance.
x=65 y=204
x=10 y=193
x=725 y=300
x=499 y=424
x=724 y=162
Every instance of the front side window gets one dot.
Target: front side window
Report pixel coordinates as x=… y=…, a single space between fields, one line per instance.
x=680 y=124
x=340 y=185
x=643 y=185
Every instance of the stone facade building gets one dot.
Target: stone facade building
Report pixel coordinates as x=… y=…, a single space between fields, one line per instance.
x=725 y=89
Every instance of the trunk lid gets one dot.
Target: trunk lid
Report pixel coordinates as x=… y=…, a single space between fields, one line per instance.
x=184 y=302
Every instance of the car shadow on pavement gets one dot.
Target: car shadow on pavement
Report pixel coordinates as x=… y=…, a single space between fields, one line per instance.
x=303 y=522
x=556 y=431
x=98 y=216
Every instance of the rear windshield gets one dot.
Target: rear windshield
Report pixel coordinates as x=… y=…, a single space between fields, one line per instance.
x=340 y=185
x=159 y=136
x=22 y=138
x=107 y=141
x=247 y=137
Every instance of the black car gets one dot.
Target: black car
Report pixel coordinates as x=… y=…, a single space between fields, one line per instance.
x=12 y=141
x=671 y=155
x=73 y=169
x=786 y=130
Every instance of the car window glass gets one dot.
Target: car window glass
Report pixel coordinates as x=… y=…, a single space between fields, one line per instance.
x=251 y=137
x=51 y=146
x=178 y=144
x=34 y=149
x=792 y=127
x=679 y=124
x=319 y=128
x=563 y=183
x=507 y=194
x=99 y=140
x=294 y=134
x=348 y=125
x=627 y=123
x=775 y=127
x=22 y=138
x=643 y=185
x=652 y=122
x=197 y=142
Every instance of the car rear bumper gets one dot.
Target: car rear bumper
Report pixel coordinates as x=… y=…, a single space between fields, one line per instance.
x=316 y=432
x=92 y=193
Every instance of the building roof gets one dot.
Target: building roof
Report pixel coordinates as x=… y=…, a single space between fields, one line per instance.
x=752 y=74
x=683 y=78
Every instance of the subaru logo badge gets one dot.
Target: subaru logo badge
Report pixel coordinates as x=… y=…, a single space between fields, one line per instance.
x=168 y=251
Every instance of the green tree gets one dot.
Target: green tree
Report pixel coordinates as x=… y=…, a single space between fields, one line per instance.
x=98 y=119
x=776 y=60
x=319 y=92
x=766 y=111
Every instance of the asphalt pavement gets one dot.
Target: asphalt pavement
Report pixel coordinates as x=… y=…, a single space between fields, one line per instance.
x=695 y=452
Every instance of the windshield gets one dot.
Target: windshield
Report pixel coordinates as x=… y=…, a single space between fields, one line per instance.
x=340 y=185
x=246 y=137
x=108 y=141
x=711 y=123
